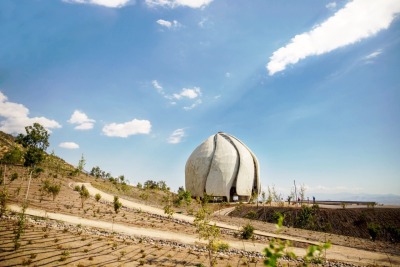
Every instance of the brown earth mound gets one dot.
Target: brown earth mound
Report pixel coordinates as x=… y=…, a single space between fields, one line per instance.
x=370 y=223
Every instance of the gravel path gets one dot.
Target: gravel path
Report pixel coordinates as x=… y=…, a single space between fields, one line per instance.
x=339 y=253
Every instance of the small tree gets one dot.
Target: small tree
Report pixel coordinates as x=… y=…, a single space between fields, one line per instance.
x=168 y=210
x=206 y=231
x=97 y=197
x=36 y=141
x=263 y=197
x=139 y=186
x=247 y=231
x=20 y=229
x=81 y=164
x=54 y=190
x=117 y=204
x=84 y=194
x=3 y=201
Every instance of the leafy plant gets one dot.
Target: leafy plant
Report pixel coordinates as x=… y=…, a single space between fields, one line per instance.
x=373 y=230
x=84 y=194
x=251 y=214
x=3 y=201
x=168 y=210
x=247 y=231
x=277 y=248
x=305 y=217
x=97 y=197
x=117 y=204
x=206 y=231
x=20 y=226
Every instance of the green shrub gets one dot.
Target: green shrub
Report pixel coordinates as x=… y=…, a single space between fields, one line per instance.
x=97 y=197
x=304 y=218
x=393 y=232
x=251 y=214
x=247 y=231
x=276 y=215
x=373 y=230
x=117 y=204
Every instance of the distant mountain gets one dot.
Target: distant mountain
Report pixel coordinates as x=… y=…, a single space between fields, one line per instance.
x=387 y=199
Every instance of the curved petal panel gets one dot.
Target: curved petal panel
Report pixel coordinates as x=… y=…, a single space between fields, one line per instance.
x=198 y=166
x=223 y=170
x=245 y=176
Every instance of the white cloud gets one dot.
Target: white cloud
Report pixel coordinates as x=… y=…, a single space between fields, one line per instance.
x=169 y=24
x=157 y=86
x=16 y=117
x=106 y=3
x=83 y=121
x=331 y=5
x=178 y=3
x=69 y=145
x=373 y=55
x=228 y=75
x=189 y=93
x=358 y=20
x=126 y=129
x=177 y=136
x=192 y=106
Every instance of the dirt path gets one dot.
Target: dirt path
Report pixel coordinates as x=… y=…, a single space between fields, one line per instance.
x=131 y=204
x=340 y=253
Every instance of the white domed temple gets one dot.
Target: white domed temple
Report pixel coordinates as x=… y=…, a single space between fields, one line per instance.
x=223 y=166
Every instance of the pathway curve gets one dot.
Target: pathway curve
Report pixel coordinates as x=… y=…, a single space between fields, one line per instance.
x=135 y=205
x=339 y=253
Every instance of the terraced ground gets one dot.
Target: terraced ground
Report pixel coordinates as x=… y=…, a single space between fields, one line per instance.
x=51 y=242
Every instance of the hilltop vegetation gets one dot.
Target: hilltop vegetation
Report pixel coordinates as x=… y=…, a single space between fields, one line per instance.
x=369 y=223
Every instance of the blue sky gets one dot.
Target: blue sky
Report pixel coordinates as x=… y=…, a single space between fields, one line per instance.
x=312 y=87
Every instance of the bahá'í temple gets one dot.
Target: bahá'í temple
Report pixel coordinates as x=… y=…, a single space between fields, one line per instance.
x=223 y=166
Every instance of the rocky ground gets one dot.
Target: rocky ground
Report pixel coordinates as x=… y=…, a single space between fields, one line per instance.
x=56 y=243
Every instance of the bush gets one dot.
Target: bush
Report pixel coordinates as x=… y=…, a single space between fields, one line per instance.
x=222 y=246
x=276 y=215
x=97 y=197
x=247 y=231
x=251 y=214
x=393 y=232
x=373 y=230
x=304 y=218
x=117 y=204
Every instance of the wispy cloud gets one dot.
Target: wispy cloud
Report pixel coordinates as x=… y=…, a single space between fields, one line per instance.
x=190 y=93
x=369 y=58
x=126 y=129
x=331 y=5
x=69 y=145
x=157 y=86
x=178 y=3
x=177 y=136
x=192 y=106
x=358 y=20
x=106 y=3
x=82 y=120
x=169 y=24
x=16 y=117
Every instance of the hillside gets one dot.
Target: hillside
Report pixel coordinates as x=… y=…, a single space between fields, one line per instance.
x=370 y=223
x=48 y=242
